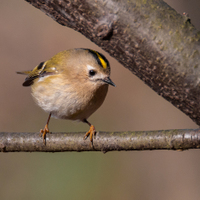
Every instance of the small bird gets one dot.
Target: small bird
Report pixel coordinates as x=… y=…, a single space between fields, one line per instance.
x=71 y=85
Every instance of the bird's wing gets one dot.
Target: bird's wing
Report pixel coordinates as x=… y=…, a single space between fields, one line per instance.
x=39 y=71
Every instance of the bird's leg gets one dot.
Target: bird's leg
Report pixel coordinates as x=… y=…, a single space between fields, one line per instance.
x=90 y=133
x=44 y=131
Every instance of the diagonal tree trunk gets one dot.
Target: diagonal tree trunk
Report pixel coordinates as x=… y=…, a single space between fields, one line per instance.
x=149 y=38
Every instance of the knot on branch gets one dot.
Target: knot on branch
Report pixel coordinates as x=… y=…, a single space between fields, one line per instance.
x=105 y=26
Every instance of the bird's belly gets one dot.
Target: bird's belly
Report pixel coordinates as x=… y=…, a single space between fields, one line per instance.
x=70 y=104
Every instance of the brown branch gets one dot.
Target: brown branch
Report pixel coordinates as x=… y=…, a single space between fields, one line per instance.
x=104 y=141
x=149 y=38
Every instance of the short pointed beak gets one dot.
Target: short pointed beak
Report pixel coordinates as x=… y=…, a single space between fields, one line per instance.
x=108 y=81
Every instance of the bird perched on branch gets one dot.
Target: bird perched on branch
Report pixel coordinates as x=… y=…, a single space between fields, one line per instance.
x=71 y=85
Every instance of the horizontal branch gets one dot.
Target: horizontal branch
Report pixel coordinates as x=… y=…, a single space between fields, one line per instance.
x=181 y=139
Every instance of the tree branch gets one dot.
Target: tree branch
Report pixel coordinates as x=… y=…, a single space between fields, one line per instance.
x=149 y=38
x=105 y=141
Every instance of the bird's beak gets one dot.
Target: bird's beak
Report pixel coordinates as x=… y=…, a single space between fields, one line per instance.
x=108 y=81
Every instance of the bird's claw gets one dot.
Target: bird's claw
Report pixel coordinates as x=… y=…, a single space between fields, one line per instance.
x=43 y=133
x=90 y=133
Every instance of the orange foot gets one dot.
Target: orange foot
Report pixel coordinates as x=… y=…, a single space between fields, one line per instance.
x=90 y=133
x=43 y=133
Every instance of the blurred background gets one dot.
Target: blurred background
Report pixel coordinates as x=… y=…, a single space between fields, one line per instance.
x=28 y=37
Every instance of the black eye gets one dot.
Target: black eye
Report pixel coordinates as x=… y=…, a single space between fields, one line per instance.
x=92 y=72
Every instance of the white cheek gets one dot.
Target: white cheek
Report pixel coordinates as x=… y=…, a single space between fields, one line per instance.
x=98 y=75
x=90 y=67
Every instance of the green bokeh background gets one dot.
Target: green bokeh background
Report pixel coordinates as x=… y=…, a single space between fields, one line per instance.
x=27 y=37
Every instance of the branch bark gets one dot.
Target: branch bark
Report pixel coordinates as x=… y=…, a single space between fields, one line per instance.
x=149 y=38
x=105 y=141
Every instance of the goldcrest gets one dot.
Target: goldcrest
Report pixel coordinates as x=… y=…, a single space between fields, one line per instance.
x=71 y=85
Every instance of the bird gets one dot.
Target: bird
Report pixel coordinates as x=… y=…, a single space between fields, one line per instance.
x=71 y=85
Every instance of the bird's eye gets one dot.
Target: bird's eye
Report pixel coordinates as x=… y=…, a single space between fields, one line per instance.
x=92 y=72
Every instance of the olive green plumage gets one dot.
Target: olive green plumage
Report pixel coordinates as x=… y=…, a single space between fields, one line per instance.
x=71 y=85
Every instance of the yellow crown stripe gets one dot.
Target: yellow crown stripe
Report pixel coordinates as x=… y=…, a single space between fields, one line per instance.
x=99 y=58
x=104 y=64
